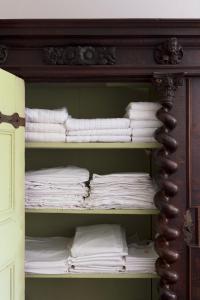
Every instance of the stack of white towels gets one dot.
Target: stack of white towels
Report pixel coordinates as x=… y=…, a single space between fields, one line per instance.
x=98 y=130
x=143 y=120
x=94 y=249
x=43 y=125
x=141 y=257
x=121 y=191
x=98 y=249
x=56 y=187
x=47 y=255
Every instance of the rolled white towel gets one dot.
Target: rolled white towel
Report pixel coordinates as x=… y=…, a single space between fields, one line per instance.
x=144 y=106
x=97 y=138
x=141 y=115
x=44 y=137
x=88 y=124
x=45 y=127
x=36 y=115
x=143 y=132
x=100 y=132
x=145 y=123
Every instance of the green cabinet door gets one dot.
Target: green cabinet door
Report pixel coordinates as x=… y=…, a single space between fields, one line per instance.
x=12 y=97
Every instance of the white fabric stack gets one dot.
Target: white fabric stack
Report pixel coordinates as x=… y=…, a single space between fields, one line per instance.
x=98 y=248
x=143 y=120
x=47 y=255
x=56 y=187
x=121 y=191
x=141 y=258
x=43 y=125
x=98 y=130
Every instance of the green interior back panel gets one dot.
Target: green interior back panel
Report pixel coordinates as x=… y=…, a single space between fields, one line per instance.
x=88 y=101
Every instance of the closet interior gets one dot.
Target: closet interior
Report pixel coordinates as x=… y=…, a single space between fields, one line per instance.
x=90 y=100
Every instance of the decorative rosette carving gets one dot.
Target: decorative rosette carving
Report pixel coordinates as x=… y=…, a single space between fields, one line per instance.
x=166 y=85
x=80 y=55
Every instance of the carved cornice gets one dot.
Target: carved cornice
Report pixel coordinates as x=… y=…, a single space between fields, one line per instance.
x=80 y=55
x=166 y=85
x=169 y=52
x=3 y=54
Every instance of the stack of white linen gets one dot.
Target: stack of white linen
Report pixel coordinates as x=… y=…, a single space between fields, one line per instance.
x=143 y=120
x=47 y=255
x=98 y=248
x=43 y=125
x=98 y=130
x=121 y=191
x=56 y=187
x=141 y=258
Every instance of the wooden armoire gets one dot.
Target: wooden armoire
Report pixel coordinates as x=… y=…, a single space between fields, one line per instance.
x=95 y=68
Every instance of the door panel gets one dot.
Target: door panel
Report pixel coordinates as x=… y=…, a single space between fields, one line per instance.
x=11 y=190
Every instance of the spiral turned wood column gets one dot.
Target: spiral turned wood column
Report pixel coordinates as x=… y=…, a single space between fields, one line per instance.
x=166 y=85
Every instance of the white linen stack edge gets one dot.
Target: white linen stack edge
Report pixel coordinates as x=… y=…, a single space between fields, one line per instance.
x=143 y=120
x=66 y=188
x=47 y=255
x=98 y=130
x=44 y=125
x=98 y=248
x=121 y=191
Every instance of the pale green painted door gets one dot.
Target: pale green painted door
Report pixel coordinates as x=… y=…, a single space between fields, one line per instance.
x=11 y=190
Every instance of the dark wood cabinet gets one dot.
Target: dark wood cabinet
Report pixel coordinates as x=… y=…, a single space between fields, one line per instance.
x=164 y=53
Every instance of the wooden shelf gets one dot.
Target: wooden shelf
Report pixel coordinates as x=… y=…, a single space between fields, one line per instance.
x=96 y=275
x=38 y=145
x=93 y=211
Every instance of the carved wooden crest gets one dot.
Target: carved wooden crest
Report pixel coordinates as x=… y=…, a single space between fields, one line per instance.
x=3 y=54
x=80 y=55
x=169 y=52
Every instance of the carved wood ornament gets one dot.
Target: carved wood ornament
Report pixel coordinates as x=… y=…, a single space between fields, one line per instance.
x=3 y=54
x=169 y=52
x=80 y=55
x=166 y=85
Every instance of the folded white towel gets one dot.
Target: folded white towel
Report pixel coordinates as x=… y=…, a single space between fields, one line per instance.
x=143 y=132
x=100 y=132
x=145 y=124
x=36 y=115
x=143 y=106
x=45 y=127
x=44 y=137
x=141 y=115
x=97 y=138
x=66 y=175
x=99 y=239
x=46 y=255
x=91 y=124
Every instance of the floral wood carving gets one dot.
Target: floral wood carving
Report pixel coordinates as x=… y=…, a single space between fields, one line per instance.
x=80 y=55
x=3 y=54
x=169 y=52
x=166 y=85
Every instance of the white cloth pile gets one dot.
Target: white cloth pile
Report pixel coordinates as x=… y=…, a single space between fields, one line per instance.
x=43 y=125
x=121 y=191
x=98 y=248
x=141 y=258
x=56 y=187
x=143 y=120
x=47 y=255
x=98 y=130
